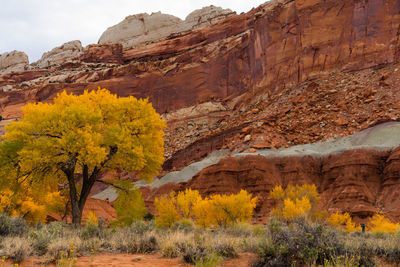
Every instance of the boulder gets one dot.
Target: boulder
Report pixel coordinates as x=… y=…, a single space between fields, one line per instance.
x=13 y=61
x=140 y=29
x=67 y=52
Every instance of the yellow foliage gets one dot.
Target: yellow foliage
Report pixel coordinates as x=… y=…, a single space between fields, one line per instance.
x=227 y=210
x=166 y=209
x=277 y=193
x=343 y=222
x=297 y=201
x=202 y=213
x=92 y=219
x=185 y=201
x=295 y=209
x=82 y=134
x=31 y=207
x=379 y=223
x=221 y=210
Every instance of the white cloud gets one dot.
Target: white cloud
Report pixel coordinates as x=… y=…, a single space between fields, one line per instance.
x=37 y=26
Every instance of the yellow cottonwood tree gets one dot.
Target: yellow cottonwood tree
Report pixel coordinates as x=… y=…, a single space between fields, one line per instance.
x=296 y=201
x=82 y=134
x=379 y=223
x=218 y=210
x=166 y=209
x=343 y=221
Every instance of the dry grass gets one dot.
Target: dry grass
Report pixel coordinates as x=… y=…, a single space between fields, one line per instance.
x=305 y=242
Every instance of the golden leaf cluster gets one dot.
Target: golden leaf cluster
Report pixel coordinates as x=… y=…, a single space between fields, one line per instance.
x=216 y=210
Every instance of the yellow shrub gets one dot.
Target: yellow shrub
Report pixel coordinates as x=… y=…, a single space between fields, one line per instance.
x=221 y=210
x=343 y=222
x=166 y=209
x=379 y=223
x=295 y=209
x=92 y=219
x=203 y=213
x=297 y=201
x=185 y=202
x=33 y=207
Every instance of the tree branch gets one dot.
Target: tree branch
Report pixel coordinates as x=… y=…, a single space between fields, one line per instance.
x=113 y=185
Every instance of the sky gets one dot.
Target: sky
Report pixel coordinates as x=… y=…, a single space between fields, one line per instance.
x=37 y=26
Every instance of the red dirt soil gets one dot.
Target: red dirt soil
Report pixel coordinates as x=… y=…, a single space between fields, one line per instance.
x=152 y=260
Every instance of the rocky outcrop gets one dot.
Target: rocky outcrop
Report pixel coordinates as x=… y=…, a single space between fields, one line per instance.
x=13 y=61
x=104 y=53
x=141 y=29
x=57 y=56
x=348 y=182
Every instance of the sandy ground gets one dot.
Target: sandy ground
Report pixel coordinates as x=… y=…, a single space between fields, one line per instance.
x=153 y=260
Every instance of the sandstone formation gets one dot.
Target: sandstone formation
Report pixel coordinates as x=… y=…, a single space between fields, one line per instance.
x=141 y=29
x=13 y=61
x=60 y=55
x=357 y=174
x=104 y=53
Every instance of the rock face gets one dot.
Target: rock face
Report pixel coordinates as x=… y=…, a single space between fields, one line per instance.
x=360 y=182
x=60 y=55
x=13 y=61
x=105 y=53
x=137 y=30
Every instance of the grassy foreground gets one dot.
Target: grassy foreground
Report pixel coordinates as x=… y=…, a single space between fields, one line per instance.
x=300 y=243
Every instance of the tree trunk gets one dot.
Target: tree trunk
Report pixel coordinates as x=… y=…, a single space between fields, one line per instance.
x=76 y=214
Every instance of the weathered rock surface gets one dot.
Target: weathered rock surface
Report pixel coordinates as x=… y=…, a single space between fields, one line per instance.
x=57 y=56
x=141 y=29
x=13 y=61
x=104 y=53
x=357 y=174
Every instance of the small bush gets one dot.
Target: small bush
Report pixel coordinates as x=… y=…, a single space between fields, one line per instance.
x=209 y=260
x=16 y=248
x=302 y=242
x=12 y=226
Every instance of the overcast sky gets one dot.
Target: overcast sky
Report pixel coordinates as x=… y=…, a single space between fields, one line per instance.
x=37 y=26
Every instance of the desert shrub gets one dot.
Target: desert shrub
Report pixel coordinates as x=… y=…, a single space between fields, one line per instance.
x=379 y=223
x=301 y=242
x=16 y=248
x=126 y=240
x=140 y=227
x=12 y=226
x=67 y=258
x=343 y=222
x=40 y=241
x=209 y=260
x=63 y=248
x=342 y=261
x=176 y=243
x=185 y=225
